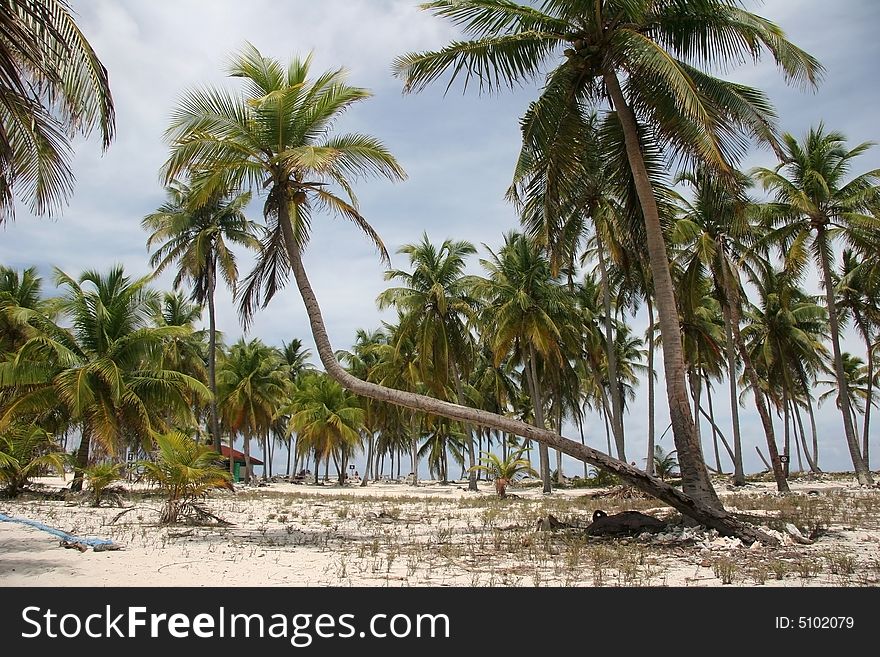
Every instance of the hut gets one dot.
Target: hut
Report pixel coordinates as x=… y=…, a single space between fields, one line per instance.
x=239 y=462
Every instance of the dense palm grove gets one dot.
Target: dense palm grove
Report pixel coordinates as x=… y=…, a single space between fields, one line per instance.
x=631 y=207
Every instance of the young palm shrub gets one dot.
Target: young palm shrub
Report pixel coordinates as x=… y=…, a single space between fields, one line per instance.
x=185 y=471
x=26 y=452
x=505 y=471
x=100 y=479
x=664 y=463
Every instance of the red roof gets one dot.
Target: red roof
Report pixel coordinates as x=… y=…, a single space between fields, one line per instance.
x=238 y=456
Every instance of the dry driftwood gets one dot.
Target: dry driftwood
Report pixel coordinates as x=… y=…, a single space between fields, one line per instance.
x=627 y=523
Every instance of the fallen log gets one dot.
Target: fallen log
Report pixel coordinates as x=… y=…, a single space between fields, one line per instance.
x=626 y=523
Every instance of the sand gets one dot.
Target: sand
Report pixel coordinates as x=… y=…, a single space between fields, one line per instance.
x=391 y=534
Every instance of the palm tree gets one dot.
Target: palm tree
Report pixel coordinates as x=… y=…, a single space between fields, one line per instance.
x=277 y=136
x=327 y=418
x=656 y=48
x=52 y=88
x=665 y=463
x=104 y=370
x=815 y=205
x=436 y=307
x=26 y=451
x=20 y=296
x=251 y=390
x=858 y=298
x=858 y=382
x=196 y=236
x=504 y=471
x=184 y=471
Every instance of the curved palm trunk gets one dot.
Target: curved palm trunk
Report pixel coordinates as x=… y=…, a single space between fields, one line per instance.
x=414 y=459
x=862 y=473
x=755 y=384
x=739 y=475
x=611 y=355
x=649 y=462
x=711 y=515
x=695 y=476
x=212 y=359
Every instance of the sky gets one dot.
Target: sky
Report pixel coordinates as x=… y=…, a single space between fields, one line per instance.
x=458 y=150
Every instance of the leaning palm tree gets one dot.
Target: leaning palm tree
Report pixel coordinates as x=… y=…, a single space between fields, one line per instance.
x=437 y=307
x=53 y=87
x=196 y=235
x=644 y=58
x=277 y=136
x=814 y=206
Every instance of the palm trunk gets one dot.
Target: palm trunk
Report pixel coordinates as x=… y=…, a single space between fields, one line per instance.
x=611 y=355
x=468 y=431
x=212 y=357
x=695 y=506
x=414 y=451
x=538 y=404
x=82 y=458
x=267 y=458
x=317 y=463
x=813 y=432
x=231 y=456
x=800 y=421
x=289 y=445
x=797 y=429
x=786 y=442
x=862 y=473
x=739 y=475
x=559 y=475
x=714 y=427
x=870 y=400
x=694 y=475
x=649 y=462
x=369 y=462
x=247 y=460
x=696 y=394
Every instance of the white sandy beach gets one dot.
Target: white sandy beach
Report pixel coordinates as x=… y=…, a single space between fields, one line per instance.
x=391 y=534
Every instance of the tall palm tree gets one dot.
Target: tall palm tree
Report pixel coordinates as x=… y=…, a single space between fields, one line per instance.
x=437 y=307
x=277 y=136
x=252 y=387
x=53 y=87
x=858 y=298
x=814 y=206
x=196 y=235
x=327 y=418
x=104 y=370
x=643 y=58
